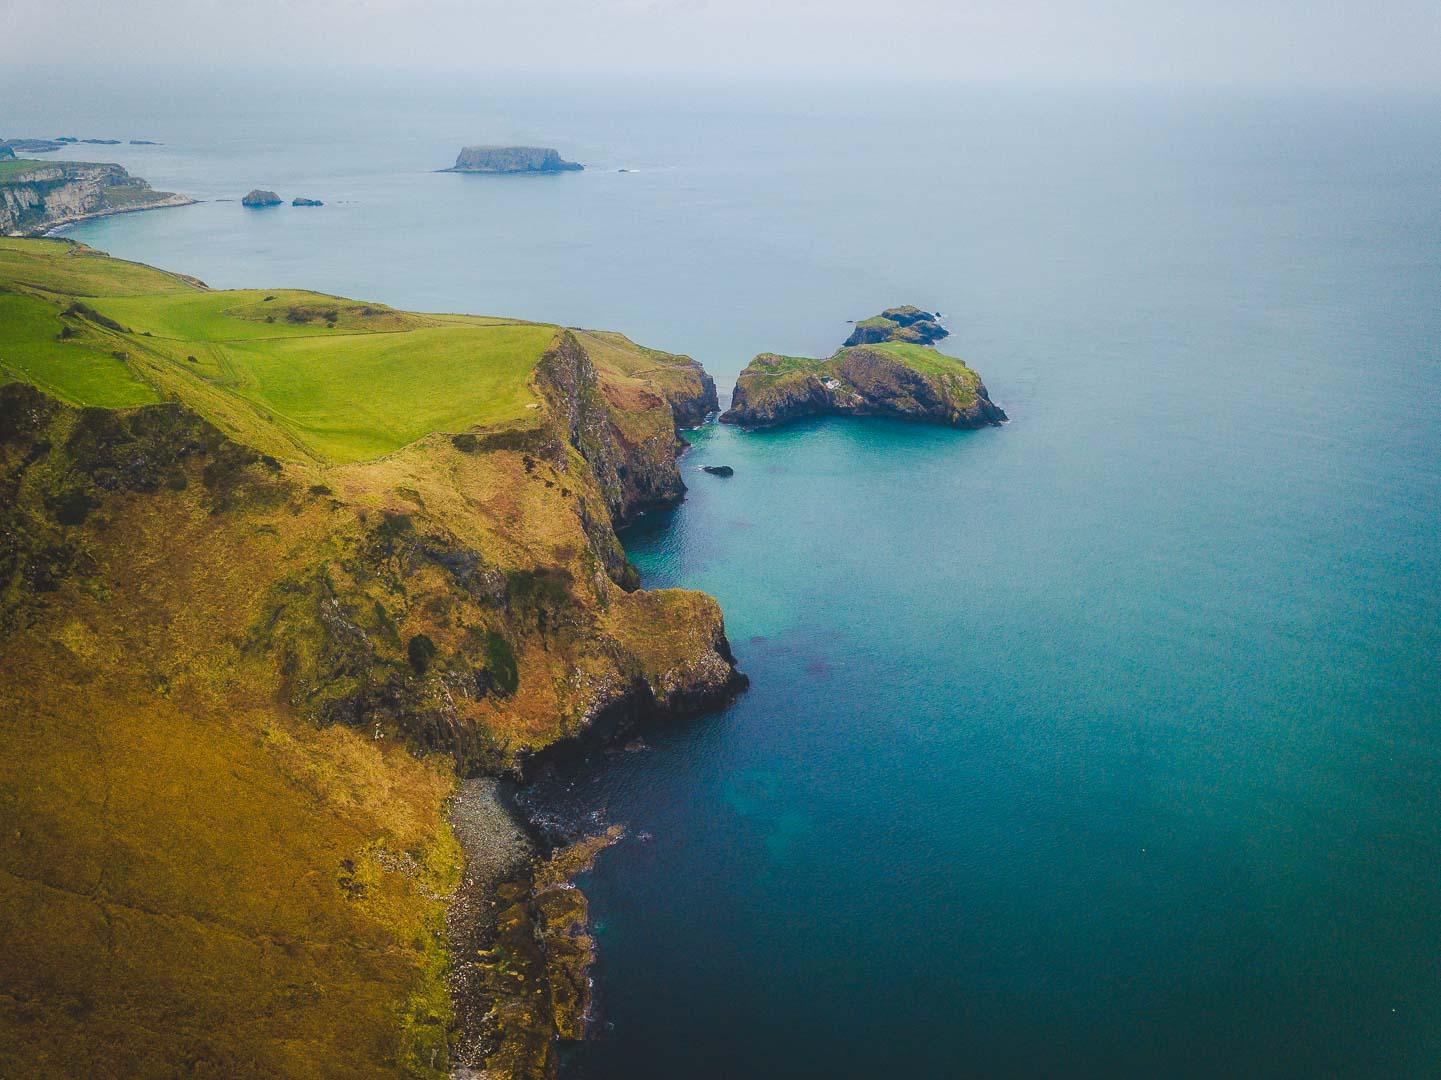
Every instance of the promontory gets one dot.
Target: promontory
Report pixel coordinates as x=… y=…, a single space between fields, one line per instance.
x=891 y=375
x=37 y=196
x=288 y=581
x=512 y=159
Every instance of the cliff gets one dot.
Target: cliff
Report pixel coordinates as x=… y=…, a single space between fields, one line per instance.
x=255 y=623
x=36 y=197
x=511 y=159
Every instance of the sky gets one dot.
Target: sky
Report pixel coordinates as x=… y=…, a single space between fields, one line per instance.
x=1267 y=43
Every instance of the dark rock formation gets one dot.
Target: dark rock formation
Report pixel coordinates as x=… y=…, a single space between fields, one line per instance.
x=691 y=408
x=511 y=159
x=306 y=202
x=718 y=470
x=259 y=197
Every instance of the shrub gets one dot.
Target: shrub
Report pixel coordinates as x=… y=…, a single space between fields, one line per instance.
x=421 y=651
x=500 y=662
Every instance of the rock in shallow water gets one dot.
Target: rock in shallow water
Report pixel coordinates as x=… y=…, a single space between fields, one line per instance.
x=718 y=470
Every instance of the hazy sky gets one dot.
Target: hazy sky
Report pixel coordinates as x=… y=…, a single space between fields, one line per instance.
x=1380 y=43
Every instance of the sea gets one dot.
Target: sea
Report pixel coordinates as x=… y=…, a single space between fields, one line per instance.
x=1106 y=743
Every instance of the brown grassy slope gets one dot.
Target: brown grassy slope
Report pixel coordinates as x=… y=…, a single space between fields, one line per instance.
x=190 y=880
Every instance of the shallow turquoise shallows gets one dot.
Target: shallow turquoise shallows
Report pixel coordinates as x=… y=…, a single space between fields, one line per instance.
x=1107 y=743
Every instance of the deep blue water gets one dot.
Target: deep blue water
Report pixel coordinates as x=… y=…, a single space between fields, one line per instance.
x=1102 y=744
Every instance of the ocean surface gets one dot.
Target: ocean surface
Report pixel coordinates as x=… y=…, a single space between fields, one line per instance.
x=1106 y=743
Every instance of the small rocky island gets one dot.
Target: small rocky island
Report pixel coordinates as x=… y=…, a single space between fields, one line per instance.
x=298 y=201
x=906 y=323
x=895 y=375
x=258 y=197
x=511 y=159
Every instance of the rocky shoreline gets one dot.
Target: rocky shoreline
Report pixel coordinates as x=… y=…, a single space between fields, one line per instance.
x=517 y=927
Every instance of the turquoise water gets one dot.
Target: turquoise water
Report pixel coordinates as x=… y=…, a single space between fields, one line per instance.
x=1104 y=743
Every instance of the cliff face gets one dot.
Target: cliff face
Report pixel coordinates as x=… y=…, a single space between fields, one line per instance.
x=512 y=159
x=49 y=194
x=903 y=381
x=636 y=470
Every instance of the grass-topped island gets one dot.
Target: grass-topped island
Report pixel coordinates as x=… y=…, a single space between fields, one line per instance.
x=896 y=378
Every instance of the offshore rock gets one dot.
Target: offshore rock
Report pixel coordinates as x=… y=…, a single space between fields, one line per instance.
x=259 y=197
x=512 y=159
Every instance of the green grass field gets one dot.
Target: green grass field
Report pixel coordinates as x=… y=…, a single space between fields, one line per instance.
x=298 y=374
x=9 y=169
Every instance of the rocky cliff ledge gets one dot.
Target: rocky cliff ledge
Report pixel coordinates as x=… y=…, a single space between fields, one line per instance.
x=889 y=377
x=36 y=197
x=512 y=159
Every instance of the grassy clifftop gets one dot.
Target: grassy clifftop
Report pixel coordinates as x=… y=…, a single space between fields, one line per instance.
x=272 y=566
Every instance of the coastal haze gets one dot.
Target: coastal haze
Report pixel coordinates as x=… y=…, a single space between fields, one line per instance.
x=1101 y=743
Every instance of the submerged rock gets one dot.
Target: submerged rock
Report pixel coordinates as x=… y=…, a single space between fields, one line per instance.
x=512 y=159
x=260 y=197
x=718 y=470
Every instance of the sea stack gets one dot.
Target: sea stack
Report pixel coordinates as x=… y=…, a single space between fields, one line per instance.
x=512 y=159
x=258 y=197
